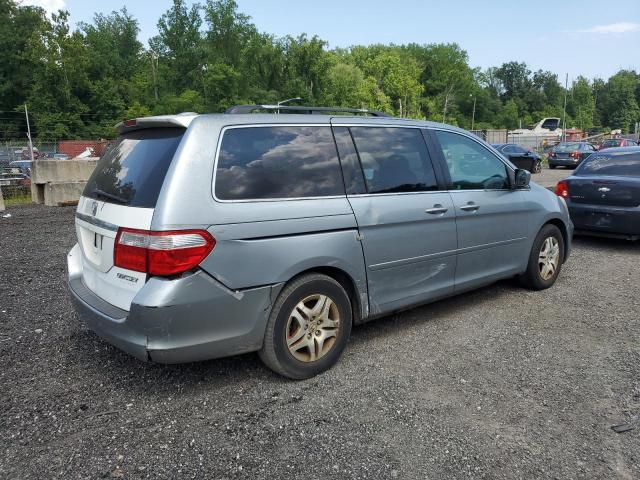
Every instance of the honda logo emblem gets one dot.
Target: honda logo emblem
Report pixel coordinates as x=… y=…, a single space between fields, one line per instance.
x=94 y=208
x=604 y=189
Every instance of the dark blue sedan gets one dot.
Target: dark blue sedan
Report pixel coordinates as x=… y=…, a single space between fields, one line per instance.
x=603 y=194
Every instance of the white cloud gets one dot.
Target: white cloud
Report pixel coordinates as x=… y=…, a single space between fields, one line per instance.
x=613 y=28
x=50 y=6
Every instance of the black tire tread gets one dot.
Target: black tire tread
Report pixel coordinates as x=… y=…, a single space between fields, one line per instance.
x=268 y=352
x=531 y=277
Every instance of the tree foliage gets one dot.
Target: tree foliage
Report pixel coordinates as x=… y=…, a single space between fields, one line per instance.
x=209 y=56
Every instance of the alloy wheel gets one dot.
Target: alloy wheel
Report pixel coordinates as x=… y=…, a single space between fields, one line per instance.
x=549 y=258
x=312 y=328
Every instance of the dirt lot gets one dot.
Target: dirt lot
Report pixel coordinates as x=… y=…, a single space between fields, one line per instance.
x=549 y=178
x=499 y=383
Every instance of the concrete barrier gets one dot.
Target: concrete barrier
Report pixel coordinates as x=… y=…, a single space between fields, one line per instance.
x=60 y=182
x=57 y=194
x=44 y=171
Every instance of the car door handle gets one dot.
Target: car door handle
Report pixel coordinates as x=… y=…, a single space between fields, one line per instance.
x=470 y=207
x=436 y=210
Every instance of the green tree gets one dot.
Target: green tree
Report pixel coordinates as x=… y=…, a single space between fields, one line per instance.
x=179 y=45
x=623 y=107
x=21 y=32
x=581 y=105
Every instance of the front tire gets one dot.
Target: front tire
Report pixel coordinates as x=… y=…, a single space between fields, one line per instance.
x=537 y=168
x=545 y=259
x=308 y=327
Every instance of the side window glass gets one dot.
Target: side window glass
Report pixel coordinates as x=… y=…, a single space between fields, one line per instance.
x=278 y=162
x=353 y=178
x=394 y=159
x=471 y=166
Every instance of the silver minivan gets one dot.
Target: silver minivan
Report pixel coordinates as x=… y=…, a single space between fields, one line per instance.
x=203 y=236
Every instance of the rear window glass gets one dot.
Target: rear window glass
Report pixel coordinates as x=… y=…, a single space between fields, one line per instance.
x=620 y=164
x=394 y=159
x=611 y=143
x=567 y=147
x=132 y=170
x=278 y=162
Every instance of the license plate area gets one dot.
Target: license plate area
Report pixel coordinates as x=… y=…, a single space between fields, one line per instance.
x=595 y=218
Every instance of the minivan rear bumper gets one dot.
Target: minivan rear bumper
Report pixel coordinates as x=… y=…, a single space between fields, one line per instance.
x=191 y=318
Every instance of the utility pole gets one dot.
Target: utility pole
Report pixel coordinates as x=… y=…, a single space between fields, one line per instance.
x=154 y=71
x=473 y=115
x=564 y=110
x=282 y=102
x=444 y=112
x=26 y=114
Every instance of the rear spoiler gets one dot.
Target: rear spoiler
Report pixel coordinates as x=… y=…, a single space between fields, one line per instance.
x=161 y=121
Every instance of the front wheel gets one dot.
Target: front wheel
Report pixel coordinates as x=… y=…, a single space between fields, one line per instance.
x=308 y=328
x=545 y=259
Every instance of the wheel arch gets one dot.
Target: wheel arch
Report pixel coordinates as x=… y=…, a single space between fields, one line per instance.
x=564 y=231
x=359 y=301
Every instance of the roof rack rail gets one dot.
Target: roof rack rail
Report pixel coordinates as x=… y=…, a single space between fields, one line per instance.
x=303 y=109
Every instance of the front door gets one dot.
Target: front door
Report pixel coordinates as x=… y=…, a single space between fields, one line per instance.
x=491 y=217
x=406 y=222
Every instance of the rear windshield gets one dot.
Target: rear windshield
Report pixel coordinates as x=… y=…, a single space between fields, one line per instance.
x=132 y=170
x=620 y=164
x=567 y=147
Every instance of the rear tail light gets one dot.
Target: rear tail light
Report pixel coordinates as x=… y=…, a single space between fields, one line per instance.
x=575 y=154
x=562 y=189
x=552 y=154
x=161 y=253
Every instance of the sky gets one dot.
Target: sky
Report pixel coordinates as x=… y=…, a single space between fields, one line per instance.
x=574 y=37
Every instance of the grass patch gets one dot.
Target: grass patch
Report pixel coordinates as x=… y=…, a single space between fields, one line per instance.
x=17 y=200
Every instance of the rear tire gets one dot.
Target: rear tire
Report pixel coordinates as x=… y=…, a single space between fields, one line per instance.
x=537 y=168
x=308 y=327
x=545 y=259
x=552 y=167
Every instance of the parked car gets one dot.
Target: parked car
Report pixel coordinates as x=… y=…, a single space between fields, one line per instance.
x=521 y=157
x=55 y=156
x=569 y=154
x=203 y=236
x=10 y=178
x=23 y=166
x=603 y=194
x=618 y=142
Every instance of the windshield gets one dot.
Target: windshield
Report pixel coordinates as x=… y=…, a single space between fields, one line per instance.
x=611 y=143
x=132 y=170
x=620 y=164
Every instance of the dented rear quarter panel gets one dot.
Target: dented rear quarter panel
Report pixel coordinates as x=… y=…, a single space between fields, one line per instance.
x=257 y=242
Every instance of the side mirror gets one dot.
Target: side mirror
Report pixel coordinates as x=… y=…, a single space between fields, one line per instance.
x=522 y=178
x=527 y=153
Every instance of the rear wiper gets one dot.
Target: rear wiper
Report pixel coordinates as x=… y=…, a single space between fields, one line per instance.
x=110 y=196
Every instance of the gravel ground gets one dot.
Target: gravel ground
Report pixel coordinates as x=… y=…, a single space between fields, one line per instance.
x=498 y=383
x=549 y=178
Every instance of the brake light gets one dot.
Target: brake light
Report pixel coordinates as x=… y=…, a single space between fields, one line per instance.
x=130 y=123
x=575 y=154
x=161 y=253
x=552 y=154
x=562 y=189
